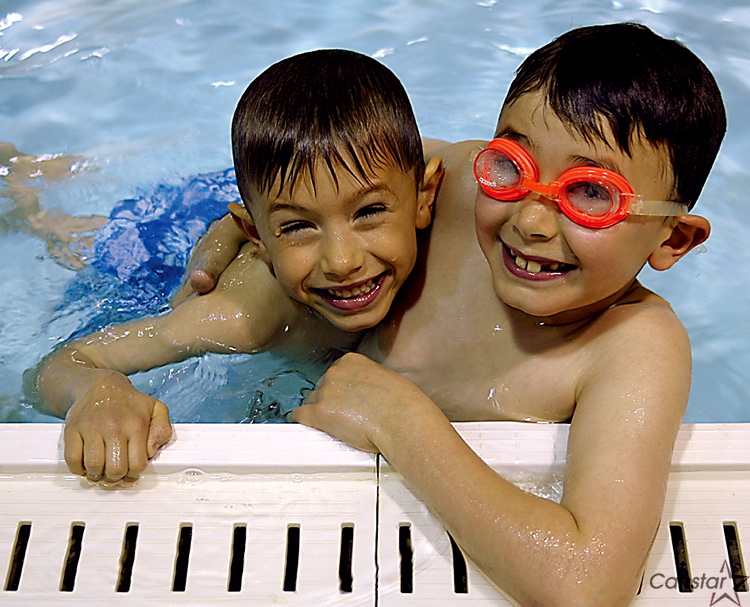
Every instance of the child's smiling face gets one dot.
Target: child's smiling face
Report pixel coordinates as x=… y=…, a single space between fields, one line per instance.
x=344 y=249
x=543 y=263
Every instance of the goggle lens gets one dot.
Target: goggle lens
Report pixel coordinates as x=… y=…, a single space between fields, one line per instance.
x=591 y=198
x=499 y=172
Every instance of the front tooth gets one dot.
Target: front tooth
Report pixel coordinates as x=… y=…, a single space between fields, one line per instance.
x=533 y=267
x=356 y=291
x=521 y=262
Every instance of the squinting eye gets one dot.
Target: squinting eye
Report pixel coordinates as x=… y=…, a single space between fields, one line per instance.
x=591 y=198
x=370 y=210
x=293 y=227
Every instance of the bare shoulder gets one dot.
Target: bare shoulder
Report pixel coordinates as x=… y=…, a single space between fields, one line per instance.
x=638 y=358
x=463 y=151
x=452 y=152
x=458 y=190
x=643 y=317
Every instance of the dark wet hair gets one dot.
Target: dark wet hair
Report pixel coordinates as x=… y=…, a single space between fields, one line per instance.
x=336 y=106
x=625 y=77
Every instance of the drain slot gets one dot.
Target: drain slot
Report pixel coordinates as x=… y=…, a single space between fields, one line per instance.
x=237 y=564
x=679 y=549
x=75 y=545
x=460 y=574
x=346 y=578
x=407 y=558
x=127 y=558
x=182 y=560
x=734 y=552
x=13 y=578
x=292 y=558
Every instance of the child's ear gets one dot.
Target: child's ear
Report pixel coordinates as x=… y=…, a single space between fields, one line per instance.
x=433 y=175
x=245 y=223
x=687 y=233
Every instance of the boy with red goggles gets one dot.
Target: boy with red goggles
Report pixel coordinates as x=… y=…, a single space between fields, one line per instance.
x=603 y=145
x=526 y=306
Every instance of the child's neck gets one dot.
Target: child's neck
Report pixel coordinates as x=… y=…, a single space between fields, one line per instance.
x=570 y=321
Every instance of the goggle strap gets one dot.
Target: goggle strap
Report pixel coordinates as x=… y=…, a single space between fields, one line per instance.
x=660 y=208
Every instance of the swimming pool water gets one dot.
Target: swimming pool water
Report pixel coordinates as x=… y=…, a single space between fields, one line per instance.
x=144 y=92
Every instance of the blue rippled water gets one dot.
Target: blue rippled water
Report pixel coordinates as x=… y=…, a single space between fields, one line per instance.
x=144 y=91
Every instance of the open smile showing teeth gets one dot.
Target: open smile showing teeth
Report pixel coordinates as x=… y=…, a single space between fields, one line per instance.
x=353 y=291
x=355 y=296
x=535 y=266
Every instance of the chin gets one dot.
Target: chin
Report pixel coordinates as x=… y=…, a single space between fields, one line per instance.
x=354 y=323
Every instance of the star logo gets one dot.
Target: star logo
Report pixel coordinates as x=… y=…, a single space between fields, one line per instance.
x=714 y=599
x=736 y=581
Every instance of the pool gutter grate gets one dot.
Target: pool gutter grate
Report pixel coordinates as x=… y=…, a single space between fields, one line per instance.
x=285 y=515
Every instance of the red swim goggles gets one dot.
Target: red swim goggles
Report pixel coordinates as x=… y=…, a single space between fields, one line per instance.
x=589 y=196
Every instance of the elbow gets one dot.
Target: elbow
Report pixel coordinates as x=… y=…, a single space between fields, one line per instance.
x=46 y=387
x=600 y=594
x=567 y=595
x=590 y=587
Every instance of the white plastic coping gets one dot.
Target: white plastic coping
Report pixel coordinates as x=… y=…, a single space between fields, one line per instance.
x=320 y=484
x=224 y=446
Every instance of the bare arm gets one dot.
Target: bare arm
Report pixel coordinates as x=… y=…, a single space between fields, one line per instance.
x=111 y=428
x=590 y=548
x=211 y=256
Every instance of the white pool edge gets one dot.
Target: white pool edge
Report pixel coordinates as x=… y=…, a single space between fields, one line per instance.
x=290 y=447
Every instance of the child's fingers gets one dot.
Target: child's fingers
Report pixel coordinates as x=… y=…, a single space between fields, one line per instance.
x=160 y=429
x=127 y=454
x=211 y=256
x=93 y=457
x=116 y=459
x=300 y=415
x=197 y=280
x=202 y=281
x=73 y=452
x=137 y=459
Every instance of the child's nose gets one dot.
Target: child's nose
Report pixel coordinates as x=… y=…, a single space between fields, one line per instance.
x=536 y=217
x=342 y=256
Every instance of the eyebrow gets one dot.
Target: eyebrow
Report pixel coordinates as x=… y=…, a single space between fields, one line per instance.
x=370 y=189
x=514 y=135
x=284 y=206
x=579 y=160
x=601 y=164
